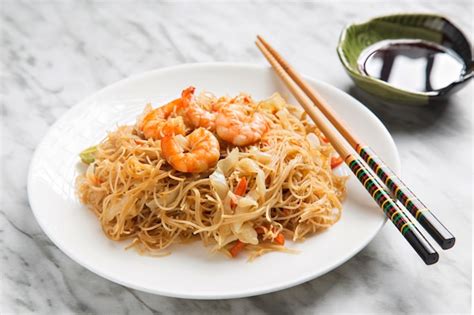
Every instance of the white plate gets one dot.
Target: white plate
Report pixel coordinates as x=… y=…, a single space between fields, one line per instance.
x=191 y=271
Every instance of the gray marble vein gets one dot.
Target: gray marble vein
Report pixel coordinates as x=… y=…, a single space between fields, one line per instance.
x=53 y=54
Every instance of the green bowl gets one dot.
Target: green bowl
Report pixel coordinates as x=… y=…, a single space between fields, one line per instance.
x=426 y=27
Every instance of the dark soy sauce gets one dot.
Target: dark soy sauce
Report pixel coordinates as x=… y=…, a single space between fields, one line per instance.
x=412 y=64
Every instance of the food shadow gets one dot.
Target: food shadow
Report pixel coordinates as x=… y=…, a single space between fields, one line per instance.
x=401 y=118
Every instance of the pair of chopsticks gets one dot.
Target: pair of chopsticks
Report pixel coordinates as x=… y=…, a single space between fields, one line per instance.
x=385 y=189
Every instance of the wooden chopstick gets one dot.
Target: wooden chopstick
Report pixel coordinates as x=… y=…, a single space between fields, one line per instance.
x=403 y=223
x=398 y=189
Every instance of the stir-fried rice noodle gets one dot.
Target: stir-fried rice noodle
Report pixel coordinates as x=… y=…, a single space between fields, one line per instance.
x=291 y=188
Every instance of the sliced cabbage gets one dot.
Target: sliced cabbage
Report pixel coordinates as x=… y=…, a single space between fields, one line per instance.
x=244 y=205
x=249 y=166
x=219 y=183
x=110 y=213
x=225 y=236
x=273 y=104
x=283 y=114
x=165 y=199
x=313 y=140
x=260 y=156
x=223 y=169
x=246 y=234
x=227 y=203
x=227 y=165
x=226 y=240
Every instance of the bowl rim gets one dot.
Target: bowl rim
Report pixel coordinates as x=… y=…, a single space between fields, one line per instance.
x=383 y=84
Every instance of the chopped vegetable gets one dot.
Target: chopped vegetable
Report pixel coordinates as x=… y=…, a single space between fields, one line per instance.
x=115 y=209
x=273 y=104
x=336 y=161
x=250 y=166
x=223 y=169
x=262 y=157
x=88 y=155
x=219 y=183
x=237 y=248
x=227 y=165
x=241 y=187
x=280 y=239
x=324 y=139
x=245 y=203
x=245 y=232
x=240 y=190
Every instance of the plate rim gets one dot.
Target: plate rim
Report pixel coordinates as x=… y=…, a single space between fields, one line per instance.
x=206 y=295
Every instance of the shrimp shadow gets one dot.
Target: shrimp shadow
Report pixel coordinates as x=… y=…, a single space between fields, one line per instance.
x=401 y=118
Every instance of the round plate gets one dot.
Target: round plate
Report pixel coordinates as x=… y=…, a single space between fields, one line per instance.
x=191 y=271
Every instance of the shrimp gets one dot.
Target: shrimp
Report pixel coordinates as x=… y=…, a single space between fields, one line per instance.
x=158 y=123
x=203 y=151
x=235 y=125
x=195 y=115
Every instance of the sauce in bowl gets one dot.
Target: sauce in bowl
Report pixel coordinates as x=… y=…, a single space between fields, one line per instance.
x=414 y=65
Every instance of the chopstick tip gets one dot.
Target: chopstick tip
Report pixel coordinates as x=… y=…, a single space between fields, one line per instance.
x=260 y=38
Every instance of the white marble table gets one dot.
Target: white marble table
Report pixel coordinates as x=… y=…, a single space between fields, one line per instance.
x=54 y=54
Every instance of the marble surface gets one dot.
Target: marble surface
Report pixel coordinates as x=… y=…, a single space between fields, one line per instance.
x=53 y=54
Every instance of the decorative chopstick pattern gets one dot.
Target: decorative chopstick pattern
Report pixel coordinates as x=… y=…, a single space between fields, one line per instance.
x=392 y=211
x=379 y=194
x=401 y=192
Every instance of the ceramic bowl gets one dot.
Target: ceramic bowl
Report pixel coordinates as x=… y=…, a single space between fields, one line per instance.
x=356 y=38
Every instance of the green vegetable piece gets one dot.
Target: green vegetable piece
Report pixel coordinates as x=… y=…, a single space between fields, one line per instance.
x=88 y=155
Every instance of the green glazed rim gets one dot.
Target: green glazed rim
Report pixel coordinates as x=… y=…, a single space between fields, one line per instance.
x=355 y=38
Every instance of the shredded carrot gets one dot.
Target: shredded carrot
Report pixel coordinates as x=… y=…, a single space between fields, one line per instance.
x=96 y=180
x=233 y=203
x=237 y=248
x=240 y=190
x=280 y=239
x=336 y=161
x=324 y=139
x=241 y=187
